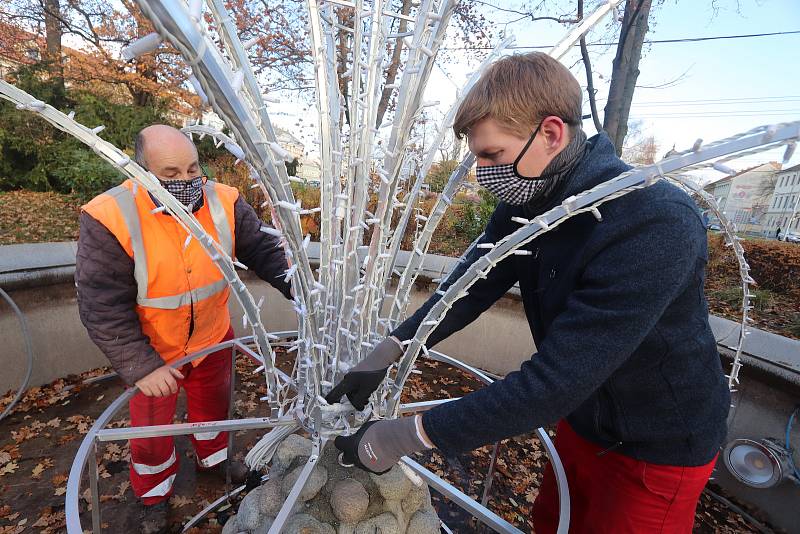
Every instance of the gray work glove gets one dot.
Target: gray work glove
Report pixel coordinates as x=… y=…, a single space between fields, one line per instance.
x=365 y=377
x=378 y=445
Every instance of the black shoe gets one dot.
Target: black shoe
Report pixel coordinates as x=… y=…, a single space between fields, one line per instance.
x=154 y=518
x=239 y=471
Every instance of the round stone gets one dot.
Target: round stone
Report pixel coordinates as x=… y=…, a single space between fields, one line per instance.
x=263 y=528
x=394 y=485
x=317 y=479
x=424 y=522
x=416 y=499
x=349 y=500
x=271 y=497
x=383 y=524
x=230 y=526
x=306 y=524
x=294 y=446
x=248 y=517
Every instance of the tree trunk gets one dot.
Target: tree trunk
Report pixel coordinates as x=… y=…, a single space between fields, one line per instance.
x=626 y=70
x=394 y=65
x=52 y=55
x=343 y=50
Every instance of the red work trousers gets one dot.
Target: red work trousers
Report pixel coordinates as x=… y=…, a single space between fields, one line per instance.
x=154 y=462
x=613 y=493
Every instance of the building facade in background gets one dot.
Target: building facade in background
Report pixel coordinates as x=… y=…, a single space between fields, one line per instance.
x=746 y=197
x=783 y=210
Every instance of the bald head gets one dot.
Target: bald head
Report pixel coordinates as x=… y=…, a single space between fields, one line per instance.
x=167 y=152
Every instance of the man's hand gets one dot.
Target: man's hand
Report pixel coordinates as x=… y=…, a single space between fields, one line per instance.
x=365 y=377
x=161 y=382
x=378 y=445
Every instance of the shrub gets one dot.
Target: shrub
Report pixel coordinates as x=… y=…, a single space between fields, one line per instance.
x=439 y=173
x=774 y=265
x=38 y=157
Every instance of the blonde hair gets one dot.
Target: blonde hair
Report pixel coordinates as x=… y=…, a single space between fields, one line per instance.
x=519 y=91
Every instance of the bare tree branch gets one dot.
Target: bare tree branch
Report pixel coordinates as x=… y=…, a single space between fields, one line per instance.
x=590 y=90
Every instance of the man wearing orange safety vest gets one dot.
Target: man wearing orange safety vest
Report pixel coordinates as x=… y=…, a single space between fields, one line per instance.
x=148 y=298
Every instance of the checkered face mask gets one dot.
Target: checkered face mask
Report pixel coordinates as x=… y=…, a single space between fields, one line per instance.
x=187 y=192
x=506 y=182
x=507 y=185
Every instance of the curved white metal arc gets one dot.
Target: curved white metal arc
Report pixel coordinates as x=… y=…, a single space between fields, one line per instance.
x=732 y=240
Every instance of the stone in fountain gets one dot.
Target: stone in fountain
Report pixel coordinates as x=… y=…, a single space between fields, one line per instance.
x=336 y=499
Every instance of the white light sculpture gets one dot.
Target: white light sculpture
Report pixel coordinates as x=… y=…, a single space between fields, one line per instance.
x=346 y=307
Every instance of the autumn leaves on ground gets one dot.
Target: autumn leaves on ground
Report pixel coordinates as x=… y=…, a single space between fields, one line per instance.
x=40 y=438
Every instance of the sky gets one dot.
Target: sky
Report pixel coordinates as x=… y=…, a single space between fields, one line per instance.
x=685 y=91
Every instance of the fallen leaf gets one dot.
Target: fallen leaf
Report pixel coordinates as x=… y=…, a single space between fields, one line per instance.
x=178 y=501
x=40 y=467
x=10 y=467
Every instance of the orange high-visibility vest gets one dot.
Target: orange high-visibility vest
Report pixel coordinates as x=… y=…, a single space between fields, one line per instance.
x=177 y=284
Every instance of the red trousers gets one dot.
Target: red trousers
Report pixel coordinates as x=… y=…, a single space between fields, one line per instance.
x=613 y=493
x=154 y=462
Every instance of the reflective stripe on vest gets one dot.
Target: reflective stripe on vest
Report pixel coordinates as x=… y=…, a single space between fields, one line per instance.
x=127 y=207
x=184 y=299
x=220 y=218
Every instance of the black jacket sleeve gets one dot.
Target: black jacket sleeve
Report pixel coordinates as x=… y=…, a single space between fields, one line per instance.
x=630 y=277
x=107 y=302
x=481 y=295
x=259 y=251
